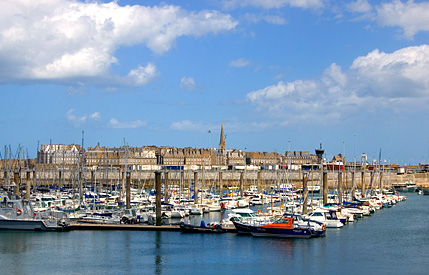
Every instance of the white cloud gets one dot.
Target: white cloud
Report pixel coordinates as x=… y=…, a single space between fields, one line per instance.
x=410 y=16
x=359 y=6
x=66 y=40
x=402 y=73
x=187 y=83
x=143 y=75
x=187 y=125
x=272 y=19
x=393 y=81
x=274 y=4
x=80 y=120
x=114 y=123
x=241 y=62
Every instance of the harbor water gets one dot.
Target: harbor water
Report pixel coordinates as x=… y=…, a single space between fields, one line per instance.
x=391 y=241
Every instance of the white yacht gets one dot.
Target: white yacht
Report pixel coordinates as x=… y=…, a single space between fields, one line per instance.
x=323 y=216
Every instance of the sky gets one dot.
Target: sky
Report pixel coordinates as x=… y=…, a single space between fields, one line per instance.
x=279 y=74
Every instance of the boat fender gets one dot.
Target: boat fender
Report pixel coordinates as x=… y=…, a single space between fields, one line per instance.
x=259 y=211
x=19 y=211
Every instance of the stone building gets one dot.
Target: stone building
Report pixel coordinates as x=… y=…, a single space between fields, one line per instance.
x=262 y=158
x=67 y=155
x=298 y=158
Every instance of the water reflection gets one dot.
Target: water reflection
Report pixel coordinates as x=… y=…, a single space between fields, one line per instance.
x=13 y=243
x=158 y=257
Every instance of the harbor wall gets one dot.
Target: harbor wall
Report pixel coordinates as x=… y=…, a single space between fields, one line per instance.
x=206 y=178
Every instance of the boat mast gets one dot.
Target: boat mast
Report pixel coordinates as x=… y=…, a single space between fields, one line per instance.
x=79 y=179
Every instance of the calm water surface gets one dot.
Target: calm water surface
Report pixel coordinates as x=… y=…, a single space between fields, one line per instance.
x=391 y=241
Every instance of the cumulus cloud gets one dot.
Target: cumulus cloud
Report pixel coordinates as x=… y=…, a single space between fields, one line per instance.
x=143 y=75
x=402 y=73
x=187 y=83
x=274 y=4
x=80 y=120
x=410 y=16
x=376 y=81
x=66 y=40
x=241 y=62
x=114 y=123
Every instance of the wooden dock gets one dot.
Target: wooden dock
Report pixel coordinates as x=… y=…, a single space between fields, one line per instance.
x=115 y=226
x=132 y=227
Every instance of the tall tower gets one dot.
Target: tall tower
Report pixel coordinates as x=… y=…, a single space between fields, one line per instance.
x=222 y=146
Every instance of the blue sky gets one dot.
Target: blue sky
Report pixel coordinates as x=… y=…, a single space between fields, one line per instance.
x=279 y=74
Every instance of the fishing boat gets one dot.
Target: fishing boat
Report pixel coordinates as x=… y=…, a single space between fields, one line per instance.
x=284 y=227
x=248 y=226
x=18 y=214
x=407 y=186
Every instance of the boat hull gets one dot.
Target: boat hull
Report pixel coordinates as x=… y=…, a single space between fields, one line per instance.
x=30 y=225
x=188 y=228
x=243 y=228
x=283 y=233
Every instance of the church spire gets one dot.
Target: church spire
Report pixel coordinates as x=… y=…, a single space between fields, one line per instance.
x=222 y=146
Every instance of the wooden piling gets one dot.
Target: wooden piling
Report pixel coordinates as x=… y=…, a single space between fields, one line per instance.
x=325 y=187
x=340 y=187
x=158 y=198
x=27 y=186
x=166 y=187
x=17 y=181
x=220 y=184
x=304 y=192
x=241 y=184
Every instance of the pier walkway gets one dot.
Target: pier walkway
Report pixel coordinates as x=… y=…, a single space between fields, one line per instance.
x=135 y=227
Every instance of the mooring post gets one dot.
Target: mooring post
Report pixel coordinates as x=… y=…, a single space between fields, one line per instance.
x=166 y=187
x=304 y=193
x=241 y=183
x=325 y=187
x=158 y=198
x=17 y=181
x=220 y=184
x=362 y=180
x=27 y=186
x=340 y=188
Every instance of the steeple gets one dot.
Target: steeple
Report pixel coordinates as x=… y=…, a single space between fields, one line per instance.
x=222 y=146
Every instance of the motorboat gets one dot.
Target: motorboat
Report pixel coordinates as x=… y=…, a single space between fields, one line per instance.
x=244 y=215
x=18 y=214
x=256 y=200
x=284 y=227
x=326 y=217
